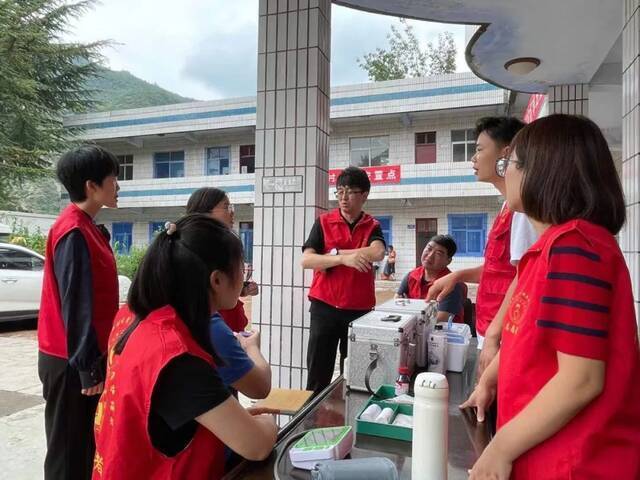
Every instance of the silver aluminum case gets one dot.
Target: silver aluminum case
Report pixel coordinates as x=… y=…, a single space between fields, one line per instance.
x=392 y=343
x=426 y=313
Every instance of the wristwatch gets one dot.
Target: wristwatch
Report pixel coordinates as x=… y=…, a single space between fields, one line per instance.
x=333 y=252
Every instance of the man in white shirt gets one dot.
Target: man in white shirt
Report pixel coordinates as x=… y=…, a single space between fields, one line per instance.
x=510 y=237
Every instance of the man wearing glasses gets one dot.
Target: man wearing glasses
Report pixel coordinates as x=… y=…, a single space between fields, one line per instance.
x=435 y=259
x=509 y=238
x=341 y=248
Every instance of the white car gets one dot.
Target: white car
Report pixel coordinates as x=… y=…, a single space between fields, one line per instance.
x=21 y=272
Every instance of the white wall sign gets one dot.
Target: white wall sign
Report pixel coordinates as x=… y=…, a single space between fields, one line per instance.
x=282 y=184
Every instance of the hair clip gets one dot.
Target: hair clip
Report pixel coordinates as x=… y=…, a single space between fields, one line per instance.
x=170 y=228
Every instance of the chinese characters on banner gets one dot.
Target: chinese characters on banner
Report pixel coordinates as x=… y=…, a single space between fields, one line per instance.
x=383 y=175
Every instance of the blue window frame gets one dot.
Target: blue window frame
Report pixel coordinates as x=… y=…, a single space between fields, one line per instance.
x=217 y=161
x=168 y=164
x=122 y=237
x=246 y=235
x=470 y=233
x=385 y=225
x=155 y=227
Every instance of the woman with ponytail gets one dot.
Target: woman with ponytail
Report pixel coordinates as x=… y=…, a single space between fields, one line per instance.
x=165 y=412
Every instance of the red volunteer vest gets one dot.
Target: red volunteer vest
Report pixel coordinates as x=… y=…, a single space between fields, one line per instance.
x=123 y=445
x=498 y=272
x=52 y=337
x=603 y=440
x=235 y=318
x=343 y=287
x=418 y=288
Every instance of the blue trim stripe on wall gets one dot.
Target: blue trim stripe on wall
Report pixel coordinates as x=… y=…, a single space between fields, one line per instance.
x=178 y=117
x=250 y=188
x=336 y=102
x=161 y=192
x=430 y=92
x=438 y=180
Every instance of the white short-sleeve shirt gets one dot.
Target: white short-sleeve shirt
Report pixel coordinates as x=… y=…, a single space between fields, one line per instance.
x=523 y=235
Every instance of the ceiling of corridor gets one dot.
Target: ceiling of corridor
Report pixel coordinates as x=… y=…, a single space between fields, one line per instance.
x=571 y=38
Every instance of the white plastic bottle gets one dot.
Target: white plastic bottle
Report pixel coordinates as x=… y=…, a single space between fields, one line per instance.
x=430 y=446
x=437 y=350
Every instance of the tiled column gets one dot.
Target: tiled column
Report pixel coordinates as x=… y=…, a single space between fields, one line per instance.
x=292 y=144
x=630 y=235
x=571 y=99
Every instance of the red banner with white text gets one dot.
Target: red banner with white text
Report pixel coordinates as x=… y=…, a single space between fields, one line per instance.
x=383 y=175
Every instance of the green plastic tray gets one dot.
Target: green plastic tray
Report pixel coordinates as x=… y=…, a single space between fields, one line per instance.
x=380 y=430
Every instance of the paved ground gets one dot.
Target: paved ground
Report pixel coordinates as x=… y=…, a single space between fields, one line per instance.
x=22 y=443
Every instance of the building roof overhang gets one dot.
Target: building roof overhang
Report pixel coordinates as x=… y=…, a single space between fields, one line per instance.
x=571 y=38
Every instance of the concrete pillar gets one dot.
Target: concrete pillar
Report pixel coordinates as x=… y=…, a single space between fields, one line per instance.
x=630 y=235
x=291 y=189
x=571 y=99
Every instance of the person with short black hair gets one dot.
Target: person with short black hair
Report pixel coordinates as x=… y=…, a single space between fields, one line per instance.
x=436 y=257
x=165 y=412
x=340 y=249
x=567 y=372
x=509 y=238
x=78 y=303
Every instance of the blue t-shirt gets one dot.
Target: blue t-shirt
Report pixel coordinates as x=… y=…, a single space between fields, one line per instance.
x=236 y=361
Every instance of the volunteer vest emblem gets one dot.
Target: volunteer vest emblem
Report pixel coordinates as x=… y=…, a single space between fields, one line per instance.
x=517 y=309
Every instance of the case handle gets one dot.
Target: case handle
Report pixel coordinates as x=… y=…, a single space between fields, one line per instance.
x=373 y=355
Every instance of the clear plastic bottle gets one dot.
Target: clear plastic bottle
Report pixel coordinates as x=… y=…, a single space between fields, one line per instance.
x=403 y=381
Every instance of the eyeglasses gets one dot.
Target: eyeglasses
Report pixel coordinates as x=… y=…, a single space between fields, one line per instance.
x=247 y=271
x=347 y=192
x=502 y=164
x=229 y=208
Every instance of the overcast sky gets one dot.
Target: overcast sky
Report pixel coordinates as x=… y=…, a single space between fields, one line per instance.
x=206 y=49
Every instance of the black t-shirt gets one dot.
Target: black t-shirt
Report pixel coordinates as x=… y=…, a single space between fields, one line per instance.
x=316 y=237
x=186 y=388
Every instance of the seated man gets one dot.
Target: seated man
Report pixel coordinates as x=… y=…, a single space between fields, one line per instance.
x=436 y=256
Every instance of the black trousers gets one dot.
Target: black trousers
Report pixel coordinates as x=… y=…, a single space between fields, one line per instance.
x=329 y=327
x=68 y=421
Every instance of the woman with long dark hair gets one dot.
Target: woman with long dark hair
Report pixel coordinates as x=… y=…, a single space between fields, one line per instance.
x=244 y=368
x=215 y=203
x=567 y=372
x=165 y=412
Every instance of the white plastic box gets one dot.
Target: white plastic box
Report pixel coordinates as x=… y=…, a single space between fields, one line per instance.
x=321 y=444
x=458 y=339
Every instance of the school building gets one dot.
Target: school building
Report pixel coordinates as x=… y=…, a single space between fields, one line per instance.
x=414 y=138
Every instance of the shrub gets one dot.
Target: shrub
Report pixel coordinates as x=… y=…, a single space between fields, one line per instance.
x=35 y=240
x=128 y=262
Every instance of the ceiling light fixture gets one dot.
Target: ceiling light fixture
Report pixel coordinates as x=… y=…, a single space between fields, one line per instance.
x=522 y=65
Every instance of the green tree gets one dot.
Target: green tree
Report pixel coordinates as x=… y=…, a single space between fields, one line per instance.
x=406 y=59
x=42 y=76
